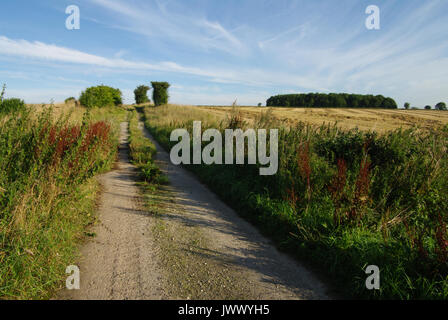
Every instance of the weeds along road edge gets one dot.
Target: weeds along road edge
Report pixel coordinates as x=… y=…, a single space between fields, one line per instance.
x=364 y=199
x=48 y=194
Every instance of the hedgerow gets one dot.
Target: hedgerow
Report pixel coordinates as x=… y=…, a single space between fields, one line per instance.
x=12 y=105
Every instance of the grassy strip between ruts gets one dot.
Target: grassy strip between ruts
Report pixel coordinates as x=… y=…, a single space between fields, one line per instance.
x=342 y=200
x=48 y=194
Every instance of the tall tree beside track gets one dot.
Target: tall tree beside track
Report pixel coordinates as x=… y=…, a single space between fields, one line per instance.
x=160 y=93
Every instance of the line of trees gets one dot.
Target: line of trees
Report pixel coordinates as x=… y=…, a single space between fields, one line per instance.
x=331 y=100
x=102 y=96
x=159 y=94
x=440 y=106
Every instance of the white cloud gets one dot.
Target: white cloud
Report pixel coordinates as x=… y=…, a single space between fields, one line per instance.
x=50 y=52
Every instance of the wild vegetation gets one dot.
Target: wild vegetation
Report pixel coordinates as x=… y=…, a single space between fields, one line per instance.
x=332 y=100
x=342 y=199
x=142 y=151
x=47 y=194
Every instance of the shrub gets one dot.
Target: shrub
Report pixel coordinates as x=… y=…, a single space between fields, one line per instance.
x=332 y=100
x=71 y=99
x=441 y=106
x=407 y=105
x=100 y=96
x=428 y=107
x=160 y=93
x=12 y=105
x=141 y=94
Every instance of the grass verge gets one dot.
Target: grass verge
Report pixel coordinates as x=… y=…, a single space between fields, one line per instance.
x=48 y=194
x=342 y=200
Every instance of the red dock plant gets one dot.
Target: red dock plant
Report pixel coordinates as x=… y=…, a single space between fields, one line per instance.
x=305 y=166
x=442 y=241
x=361 y=196
x=337 y=189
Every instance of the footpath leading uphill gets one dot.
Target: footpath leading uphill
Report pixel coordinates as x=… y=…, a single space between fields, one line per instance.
x=180 y=242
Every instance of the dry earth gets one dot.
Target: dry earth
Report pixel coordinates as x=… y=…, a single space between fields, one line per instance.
x=120 y=262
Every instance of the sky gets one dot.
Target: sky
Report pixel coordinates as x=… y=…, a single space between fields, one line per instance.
x=214 y=52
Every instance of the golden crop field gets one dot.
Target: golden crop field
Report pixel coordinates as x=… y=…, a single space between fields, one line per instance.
x=380 y=120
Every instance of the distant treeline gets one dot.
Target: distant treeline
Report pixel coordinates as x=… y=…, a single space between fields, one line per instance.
x=332 y=100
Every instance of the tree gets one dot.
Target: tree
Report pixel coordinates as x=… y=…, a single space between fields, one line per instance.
x=407 y=105
x=441 y=106
x=389 y=103
x=3 y=93
x=141 y=94
x=331 y=100
x=160 y=93
x=428 y=107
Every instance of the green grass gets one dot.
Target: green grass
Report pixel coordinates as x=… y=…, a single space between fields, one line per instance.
x=48 y=194
x=142 y=151
x=370 y=200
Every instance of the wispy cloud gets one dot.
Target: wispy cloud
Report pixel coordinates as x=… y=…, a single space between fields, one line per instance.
x=159 y=21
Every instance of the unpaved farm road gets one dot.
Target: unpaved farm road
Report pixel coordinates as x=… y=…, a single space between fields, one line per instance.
x=180 y=242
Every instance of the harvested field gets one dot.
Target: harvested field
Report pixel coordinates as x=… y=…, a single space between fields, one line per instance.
x=365 y=119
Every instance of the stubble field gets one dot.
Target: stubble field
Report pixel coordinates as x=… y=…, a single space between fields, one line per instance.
x=365 y=119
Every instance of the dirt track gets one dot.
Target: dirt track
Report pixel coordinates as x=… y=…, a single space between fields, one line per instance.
x=120 y=262
x=186 y=244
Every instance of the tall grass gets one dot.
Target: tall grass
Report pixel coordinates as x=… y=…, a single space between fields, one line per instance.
x=142 y=151
x=47 y=195
x=343 y=200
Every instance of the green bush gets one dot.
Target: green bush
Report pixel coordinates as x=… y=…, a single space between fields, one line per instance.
x=101 y=96
x=332 y=100
x=141 y=94
x=71 y=99
x=160 y=92
x=441 y=106
x=12 y=105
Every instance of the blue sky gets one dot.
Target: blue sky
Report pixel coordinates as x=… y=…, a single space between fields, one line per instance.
x=215 y=51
